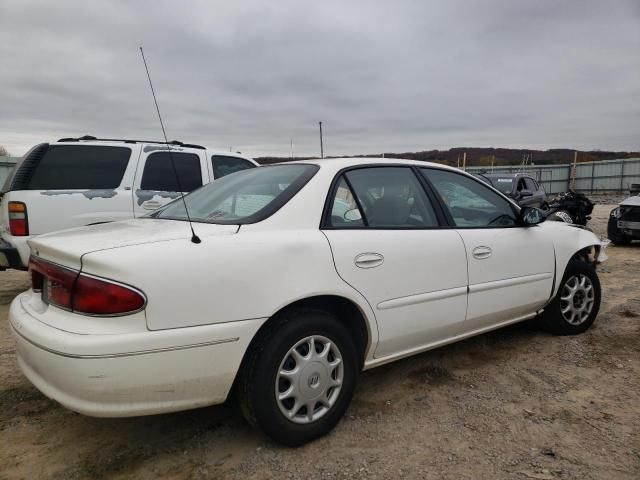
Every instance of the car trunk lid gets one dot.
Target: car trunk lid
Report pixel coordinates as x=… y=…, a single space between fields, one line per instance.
x=68 y=246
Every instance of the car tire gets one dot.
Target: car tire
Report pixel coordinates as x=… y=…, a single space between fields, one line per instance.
x=576 y=305
x=269 y=373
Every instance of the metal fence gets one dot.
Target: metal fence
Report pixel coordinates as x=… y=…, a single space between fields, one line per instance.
x=590 y=177
x=6 y=165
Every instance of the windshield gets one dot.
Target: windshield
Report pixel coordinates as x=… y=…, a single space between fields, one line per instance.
x=247 y=196
x=504 y=185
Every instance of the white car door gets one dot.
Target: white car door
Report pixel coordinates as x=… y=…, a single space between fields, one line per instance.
x=388 y=243
x=155 y=182
x=511 y=267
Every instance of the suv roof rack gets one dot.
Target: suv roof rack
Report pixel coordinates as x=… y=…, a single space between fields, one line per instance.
x=89 y=137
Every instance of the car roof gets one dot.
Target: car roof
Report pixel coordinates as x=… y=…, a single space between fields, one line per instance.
x=175 y=146
x=336 y=164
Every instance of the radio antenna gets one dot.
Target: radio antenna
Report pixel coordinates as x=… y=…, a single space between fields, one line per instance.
x=194 y=237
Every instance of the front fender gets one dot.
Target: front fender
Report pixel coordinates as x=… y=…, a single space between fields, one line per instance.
x=568 y=240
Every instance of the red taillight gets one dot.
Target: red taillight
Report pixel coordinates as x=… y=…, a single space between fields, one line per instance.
x=18 y=220
x=97 y=297
x=80 y=293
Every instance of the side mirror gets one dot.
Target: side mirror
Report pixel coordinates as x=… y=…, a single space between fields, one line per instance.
x=352 y=215
x=531 y=216
x=525 y=193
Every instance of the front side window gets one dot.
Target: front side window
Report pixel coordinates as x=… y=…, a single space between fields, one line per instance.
x=470 y=202
x=159 y=174
x=530 y=184
x=248 y=196
x=224 y=165
x=390 y=197
x=83 y=167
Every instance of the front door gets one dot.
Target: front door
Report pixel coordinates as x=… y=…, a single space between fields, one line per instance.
x=388 y=244
x=511 y=267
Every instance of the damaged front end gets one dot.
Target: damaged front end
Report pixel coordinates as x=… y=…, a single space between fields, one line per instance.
x=624 y=222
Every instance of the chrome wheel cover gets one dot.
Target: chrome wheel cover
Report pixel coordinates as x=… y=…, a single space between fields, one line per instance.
x=309 y=379
x=577 y=299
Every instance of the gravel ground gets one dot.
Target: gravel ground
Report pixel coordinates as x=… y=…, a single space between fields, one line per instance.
x=515 y=403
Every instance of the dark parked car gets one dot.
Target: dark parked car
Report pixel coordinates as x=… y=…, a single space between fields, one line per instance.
x=519 y=186
x=624 y=221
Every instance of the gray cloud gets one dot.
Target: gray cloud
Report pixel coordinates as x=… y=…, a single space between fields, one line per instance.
x=382 y=75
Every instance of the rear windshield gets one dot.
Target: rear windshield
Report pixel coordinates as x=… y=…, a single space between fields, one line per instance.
x=68 y=167
x=247 y=196
x=504 y=185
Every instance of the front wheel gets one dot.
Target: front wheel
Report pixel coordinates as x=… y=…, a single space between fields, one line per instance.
x=576 y=305
x=299 y=377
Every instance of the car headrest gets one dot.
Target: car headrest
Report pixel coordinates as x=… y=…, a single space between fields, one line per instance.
x=390 y=210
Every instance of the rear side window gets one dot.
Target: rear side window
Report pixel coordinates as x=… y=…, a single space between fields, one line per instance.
x=390 y=197
x=224 y=165
x=158 y=173
x=69 y=167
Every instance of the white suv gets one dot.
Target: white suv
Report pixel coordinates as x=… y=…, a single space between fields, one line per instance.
x=82 y=181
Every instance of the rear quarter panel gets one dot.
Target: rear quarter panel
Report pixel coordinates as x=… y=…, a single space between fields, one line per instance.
x=227 y=278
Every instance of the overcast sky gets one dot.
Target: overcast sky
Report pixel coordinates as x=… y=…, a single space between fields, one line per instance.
x=388 y=76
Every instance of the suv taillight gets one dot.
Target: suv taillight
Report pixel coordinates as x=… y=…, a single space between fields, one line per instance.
x=80 y=293
x=18 y=220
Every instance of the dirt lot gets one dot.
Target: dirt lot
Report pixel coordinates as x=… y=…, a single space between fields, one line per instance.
x=516 y=403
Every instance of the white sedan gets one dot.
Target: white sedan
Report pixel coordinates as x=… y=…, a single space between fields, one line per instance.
x=306 y=274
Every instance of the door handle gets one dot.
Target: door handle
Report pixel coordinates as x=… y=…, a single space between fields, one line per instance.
x=369 y=260
x=151 y=205
x=482 y=252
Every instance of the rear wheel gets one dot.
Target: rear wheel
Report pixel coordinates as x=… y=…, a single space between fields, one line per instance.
x=299 y=376
x=577 y=302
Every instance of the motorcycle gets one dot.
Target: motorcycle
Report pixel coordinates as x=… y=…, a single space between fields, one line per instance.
x=570 y=207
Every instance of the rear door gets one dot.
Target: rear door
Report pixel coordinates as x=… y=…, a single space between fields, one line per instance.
x=156 y=182
x=511 y=267
x=388 y=244
x=70 y=185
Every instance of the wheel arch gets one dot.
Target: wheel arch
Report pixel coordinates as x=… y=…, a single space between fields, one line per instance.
x=582 y=245
x=363 y=330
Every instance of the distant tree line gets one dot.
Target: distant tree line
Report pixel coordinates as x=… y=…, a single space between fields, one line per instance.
x=487 y=156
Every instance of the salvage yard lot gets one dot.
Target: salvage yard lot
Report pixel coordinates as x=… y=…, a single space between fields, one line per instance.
x=515 y=403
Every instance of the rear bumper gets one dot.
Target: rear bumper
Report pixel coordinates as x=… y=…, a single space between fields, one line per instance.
x=10 y=257
x=157 y=377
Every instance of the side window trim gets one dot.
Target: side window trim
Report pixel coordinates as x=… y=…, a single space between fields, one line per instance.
x=325 y=223
x=450 y=220
x=363 y=215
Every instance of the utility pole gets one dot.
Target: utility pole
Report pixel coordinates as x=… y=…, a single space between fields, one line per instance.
x=291 y=148
x=573 y=172
x=464 y=162
x=321 y=146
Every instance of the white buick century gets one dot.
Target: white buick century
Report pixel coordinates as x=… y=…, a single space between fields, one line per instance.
x=306 y=274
